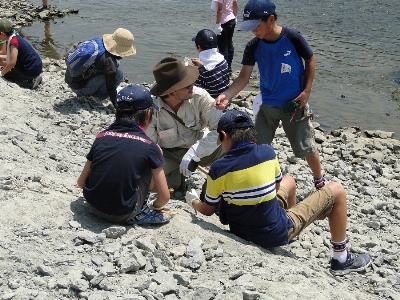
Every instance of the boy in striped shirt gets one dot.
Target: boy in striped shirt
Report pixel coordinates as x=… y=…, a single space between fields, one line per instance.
x=213 y=68
x=259 y=204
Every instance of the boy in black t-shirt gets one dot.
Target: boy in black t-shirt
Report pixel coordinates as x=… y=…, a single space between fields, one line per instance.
x=122 y=162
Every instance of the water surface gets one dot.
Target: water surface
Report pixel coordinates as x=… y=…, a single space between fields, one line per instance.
x=356 y=45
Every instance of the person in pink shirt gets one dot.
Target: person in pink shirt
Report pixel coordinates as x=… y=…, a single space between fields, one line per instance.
x=225 y=20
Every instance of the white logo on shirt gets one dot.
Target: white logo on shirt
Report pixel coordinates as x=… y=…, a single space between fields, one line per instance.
x=285 y=68
x=287 y=53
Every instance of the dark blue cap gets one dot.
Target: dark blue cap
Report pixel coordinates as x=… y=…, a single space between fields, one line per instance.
x=234 y=119
x=139 y=97
x=254 y=11
x=206 y=39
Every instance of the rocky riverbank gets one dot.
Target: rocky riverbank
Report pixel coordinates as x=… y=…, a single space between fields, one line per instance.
x=52 y=247
x=23 y=13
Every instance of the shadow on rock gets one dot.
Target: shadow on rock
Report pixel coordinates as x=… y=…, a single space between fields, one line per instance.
x=75 y=105
x=212 y=227
x=87 y=219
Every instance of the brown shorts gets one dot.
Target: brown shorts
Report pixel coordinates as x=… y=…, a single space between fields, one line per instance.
x=317 y=206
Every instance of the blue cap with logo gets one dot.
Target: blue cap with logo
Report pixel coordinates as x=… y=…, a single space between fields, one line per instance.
x=254 y=11
x=138 y=96
x=234 y=119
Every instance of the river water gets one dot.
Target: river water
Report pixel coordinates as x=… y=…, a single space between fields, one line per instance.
x=356 y=44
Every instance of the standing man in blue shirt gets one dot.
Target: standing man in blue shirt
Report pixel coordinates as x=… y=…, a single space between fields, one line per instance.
x=285 y=82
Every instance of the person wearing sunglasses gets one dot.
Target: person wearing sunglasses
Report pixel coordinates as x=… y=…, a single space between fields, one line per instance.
x=185 y=127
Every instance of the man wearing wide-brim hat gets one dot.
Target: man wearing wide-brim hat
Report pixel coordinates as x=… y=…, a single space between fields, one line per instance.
x=100 y=81
x=185 y=127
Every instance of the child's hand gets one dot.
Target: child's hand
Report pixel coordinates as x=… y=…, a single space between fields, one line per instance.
x=197 y=62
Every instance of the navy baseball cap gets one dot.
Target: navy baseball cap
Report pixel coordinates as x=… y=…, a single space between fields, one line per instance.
x=206 y=39
x=139 y=97
x=234 y=119
x=254 y=11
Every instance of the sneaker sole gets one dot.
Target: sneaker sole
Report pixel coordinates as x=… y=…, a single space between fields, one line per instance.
x=146 y=222
x=347 y=271
x=152 y=220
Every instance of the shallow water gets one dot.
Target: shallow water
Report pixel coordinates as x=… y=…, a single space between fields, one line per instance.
x=356 y=44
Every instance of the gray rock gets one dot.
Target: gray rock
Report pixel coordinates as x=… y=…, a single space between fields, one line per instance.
x=129 y=264
x=79 y=284
x=166 y=283
x=114 y=232
x=236 y=274
x=97 y=279
x=112 y=248
x=182 y=279
x=146 y=244
x=165 y=260
x=249 y=295
x=195 y=254
x=45 y=270
x=90 y=237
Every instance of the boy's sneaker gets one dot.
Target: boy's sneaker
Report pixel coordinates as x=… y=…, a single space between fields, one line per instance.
x=354 y=263
x=147 y=216
x=36 y=81
x=320 y=182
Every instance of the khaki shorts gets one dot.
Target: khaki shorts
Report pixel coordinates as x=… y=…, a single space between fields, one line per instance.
x=317 y=206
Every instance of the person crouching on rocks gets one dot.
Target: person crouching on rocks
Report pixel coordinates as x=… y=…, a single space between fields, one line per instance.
x=21 y=63
x=259 y=204
x=123 y=161
x=98 y=79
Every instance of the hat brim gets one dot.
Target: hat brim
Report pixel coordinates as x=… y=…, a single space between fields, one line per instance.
x=112 y=47
x=160 y=90
x=249 y=25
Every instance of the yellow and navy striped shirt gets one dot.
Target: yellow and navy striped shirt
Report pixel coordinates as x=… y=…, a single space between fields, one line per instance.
x=243 y=182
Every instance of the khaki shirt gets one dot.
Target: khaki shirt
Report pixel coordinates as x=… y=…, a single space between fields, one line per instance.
x=200 y=130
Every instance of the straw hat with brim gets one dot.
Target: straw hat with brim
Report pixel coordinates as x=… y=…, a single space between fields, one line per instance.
x=171 y=75
x=119 y=43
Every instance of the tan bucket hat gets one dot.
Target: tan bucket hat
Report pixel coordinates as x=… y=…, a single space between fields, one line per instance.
x=171 y=75
x=119 y=43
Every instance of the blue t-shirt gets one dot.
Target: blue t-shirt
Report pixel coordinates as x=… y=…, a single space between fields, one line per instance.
x=29 y=62
x=122 y=157
x=280 y=63
x=243 y=182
